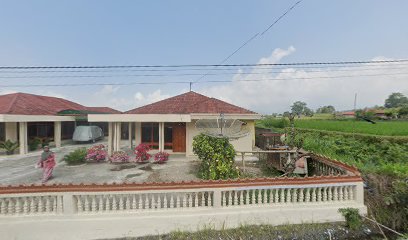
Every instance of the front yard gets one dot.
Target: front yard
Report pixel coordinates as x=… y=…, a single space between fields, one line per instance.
x=20 y=170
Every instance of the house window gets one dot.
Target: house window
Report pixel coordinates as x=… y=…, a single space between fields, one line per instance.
x=168 y=136
x=40 y=129
x=2 y=131
x=150 y=134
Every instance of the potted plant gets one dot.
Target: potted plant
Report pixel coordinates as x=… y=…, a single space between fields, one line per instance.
x=9 y=146
x=34 y=144
x=142 y=155
x=119 y=157
x=161 y=157
x=96 y=153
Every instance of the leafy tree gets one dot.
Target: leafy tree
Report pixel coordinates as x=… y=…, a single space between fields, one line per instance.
x=298 y=108
x=395 y=100
x=326 y=109
x=403 y=111
x=308 y=112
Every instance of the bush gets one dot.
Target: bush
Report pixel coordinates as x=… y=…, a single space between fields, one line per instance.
x=217 y=157
x=119 y=157
x=96 y=153
x=273 y=122
x=76 y=157
x=353 y=218
x=142 y=154
x=33 y=144
x=9 y=146
x=161 y=157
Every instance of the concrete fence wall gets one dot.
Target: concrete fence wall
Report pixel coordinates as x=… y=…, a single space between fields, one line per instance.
x=124 y=210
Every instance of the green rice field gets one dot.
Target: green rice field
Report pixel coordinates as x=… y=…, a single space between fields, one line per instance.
x=385 y=128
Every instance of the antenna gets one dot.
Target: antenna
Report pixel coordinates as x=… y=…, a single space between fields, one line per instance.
x=222 y=127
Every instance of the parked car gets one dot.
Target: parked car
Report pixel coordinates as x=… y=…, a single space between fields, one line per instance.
x=87 y=134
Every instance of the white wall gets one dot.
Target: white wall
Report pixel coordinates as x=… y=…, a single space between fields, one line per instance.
x=11 y=131
x=242 y=144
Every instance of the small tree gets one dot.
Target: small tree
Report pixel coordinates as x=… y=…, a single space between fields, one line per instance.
x=395 y=100
x=308 y=112
x=298 y=108
x=326 y=109
x=403 y=111
x=217 y=157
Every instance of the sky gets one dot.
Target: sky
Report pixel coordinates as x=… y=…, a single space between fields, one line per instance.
x=75 y=33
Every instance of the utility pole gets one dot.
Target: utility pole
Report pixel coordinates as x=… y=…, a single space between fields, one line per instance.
x=355 y=116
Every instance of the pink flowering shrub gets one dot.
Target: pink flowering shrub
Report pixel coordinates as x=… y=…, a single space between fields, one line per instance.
x=161 y=157
x=119 y=157
x=142 y=154
x=96 y=153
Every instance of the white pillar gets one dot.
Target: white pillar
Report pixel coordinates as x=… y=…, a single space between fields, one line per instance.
x=57 y=134
x=130 y=135
x=117 y=136
x=11 y=131
x=138 y=133
x=110 y=138
x=161 y=136
x=359 y=192
x=23 y=137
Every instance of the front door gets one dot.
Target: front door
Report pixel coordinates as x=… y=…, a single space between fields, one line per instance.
x=179 y=138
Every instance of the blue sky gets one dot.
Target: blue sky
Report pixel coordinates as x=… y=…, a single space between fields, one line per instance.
x=203 y=32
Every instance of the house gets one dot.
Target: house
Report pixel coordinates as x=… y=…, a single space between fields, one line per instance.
x=25 y=116
x=347 y=114
x=169 y=125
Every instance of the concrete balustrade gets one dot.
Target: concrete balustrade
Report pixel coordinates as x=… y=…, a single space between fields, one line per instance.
x=190 y=199
x=114 y=211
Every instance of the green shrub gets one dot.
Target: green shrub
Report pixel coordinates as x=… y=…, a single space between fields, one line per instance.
x=33 y=144
x=78 y=156
x=9 y=146
x=273 y=122
x=217 y=157
x=353 y=218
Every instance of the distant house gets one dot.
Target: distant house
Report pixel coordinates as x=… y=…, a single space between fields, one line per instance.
x=169 y=125
x=25 y=116
x=380 y=113
x=347 y=114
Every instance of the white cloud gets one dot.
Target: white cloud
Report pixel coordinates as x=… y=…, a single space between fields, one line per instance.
x=316 y=86
x=155 y=96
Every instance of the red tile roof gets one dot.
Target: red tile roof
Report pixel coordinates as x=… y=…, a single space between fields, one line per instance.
x=103 y=110
x=190 y=102
x=350 y=113
x=31 y=104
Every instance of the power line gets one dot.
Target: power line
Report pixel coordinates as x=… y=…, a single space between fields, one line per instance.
x=371 y=66
x=188 y=82
x=254 y=37
x=205 y=65
x=189 y=74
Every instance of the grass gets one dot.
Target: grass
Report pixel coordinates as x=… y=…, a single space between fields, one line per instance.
x=299 y=231
x=385 y=128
